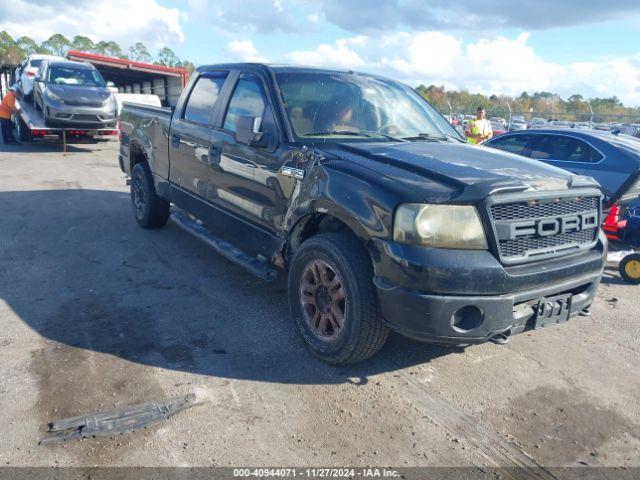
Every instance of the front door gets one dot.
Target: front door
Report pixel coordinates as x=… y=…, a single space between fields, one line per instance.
x=246 y=182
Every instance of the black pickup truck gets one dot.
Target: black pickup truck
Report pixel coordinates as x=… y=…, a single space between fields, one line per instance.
x=383 y=217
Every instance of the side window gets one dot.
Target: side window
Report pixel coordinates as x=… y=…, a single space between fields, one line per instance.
x=567 y=149
x=511 y=143
x=592 y=154
x=248 y=100
x=203 y=99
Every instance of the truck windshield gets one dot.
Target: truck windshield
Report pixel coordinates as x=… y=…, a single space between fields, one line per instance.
x=80 y=77
x=356 y=106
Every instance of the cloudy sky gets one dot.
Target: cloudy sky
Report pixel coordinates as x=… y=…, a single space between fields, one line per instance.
x=499 y=46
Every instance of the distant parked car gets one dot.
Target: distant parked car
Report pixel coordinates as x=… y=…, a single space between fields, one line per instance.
x=560 y=124
x=582 y=125
x=517 y=125
x=631 y=129
x=498 y=127
x=537 y=123
x=499 y=121
x=613 y=160
x=27 y=71
x=74 y=93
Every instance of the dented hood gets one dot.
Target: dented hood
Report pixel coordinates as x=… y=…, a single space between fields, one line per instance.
x=468 y=171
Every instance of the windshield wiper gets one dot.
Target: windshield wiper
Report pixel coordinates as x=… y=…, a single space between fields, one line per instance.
x=355 y=133
x=433 y=137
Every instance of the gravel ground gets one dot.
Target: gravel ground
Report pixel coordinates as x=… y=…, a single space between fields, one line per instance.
x=97 y=313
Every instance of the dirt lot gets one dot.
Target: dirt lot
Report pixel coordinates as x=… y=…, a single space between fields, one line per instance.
x=96 y=312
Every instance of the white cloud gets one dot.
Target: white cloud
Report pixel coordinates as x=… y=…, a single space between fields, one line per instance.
x=494 y=65
x=123 y=21
x=245 y=51
x=339 y=54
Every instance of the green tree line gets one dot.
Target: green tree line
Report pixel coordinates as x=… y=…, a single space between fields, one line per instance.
x=539 y=104
x=13 y=51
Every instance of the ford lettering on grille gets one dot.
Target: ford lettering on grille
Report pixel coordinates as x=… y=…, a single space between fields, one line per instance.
x=532 y=229
x=546 y=227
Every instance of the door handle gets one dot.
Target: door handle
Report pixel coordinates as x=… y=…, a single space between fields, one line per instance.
x=175 y=140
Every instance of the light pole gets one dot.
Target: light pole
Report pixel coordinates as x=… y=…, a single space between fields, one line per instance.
x=591 y=117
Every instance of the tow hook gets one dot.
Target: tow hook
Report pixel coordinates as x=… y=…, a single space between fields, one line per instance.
x=501 y=338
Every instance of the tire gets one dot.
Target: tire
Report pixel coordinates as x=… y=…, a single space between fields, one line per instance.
x=150 y=210
x=629 y=268
x=362 y=332
x=24 y=134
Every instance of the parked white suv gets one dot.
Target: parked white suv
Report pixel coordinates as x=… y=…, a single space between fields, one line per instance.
x=27 y=70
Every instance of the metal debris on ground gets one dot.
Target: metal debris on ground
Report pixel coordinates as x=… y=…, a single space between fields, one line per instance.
x=117 y=421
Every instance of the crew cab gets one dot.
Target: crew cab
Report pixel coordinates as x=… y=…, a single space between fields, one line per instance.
x=380 y=214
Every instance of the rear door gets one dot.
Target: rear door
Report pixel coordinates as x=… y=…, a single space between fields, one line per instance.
x=189 y=139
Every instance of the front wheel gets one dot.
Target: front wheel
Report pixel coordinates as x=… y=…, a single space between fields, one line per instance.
x=333 y=300
x=151 y=211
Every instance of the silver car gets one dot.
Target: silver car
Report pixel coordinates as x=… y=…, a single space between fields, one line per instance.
x=74 y=94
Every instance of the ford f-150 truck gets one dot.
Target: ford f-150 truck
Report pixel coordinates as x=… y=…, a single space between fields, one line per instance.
x=383 y=217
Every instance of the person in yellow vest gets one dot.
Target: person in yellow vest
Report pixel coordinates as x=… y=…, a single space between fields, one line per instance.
x=7 y=106
x=479 y=129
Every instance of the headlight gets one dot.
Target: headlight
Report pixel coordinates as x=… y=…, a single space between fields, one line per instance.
x=443 y=226
x=53 y=96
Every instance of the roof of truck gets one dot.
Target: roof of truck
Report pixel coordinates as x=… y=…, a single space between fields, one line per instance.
x=282 y=68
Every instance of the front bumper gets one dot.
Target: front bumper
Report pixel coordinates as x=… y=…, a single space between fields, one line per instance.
x=97 y=117
x=426 y=294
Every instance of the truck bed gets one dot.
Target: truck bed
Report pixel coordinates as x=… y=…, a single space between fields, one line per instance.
x=155 y=122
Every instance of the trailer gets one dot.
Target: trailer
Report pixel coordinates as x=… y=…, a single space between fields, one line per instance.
x=30 y=126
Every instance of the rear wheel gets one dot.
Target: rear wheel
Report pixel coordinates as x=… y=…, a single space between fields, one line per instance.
x=24 y=134
x=333 y=300
x=150 y=210
x=630 y=268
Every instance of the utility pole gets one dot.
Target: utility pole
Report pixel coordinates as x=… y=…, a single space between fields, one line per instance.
x=450 y=111
x=510 y=113
x=590 y=118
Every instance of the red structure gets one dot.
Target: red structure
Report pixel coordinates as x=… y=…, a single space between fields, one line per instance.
x=137 y=77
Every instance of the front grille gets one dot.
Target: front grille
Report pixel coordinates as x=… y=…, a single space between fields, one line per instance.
x=78 y=103
x=87 y=118
x=533 y=240
x=524 y=210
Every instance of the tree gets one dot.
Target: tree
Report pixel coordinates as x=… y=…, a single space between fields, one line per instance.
x=167 y=58
x=111 y=49
x=57 y=44
x=140 y=53
x=82 y=43
x=28 y=45
x=10 y=53
x=190 y=67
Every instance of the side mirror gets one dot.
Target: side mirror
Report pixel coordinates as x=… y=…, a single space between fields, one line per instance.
x=110 y=84
x=38 y=78
x=248 y=131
